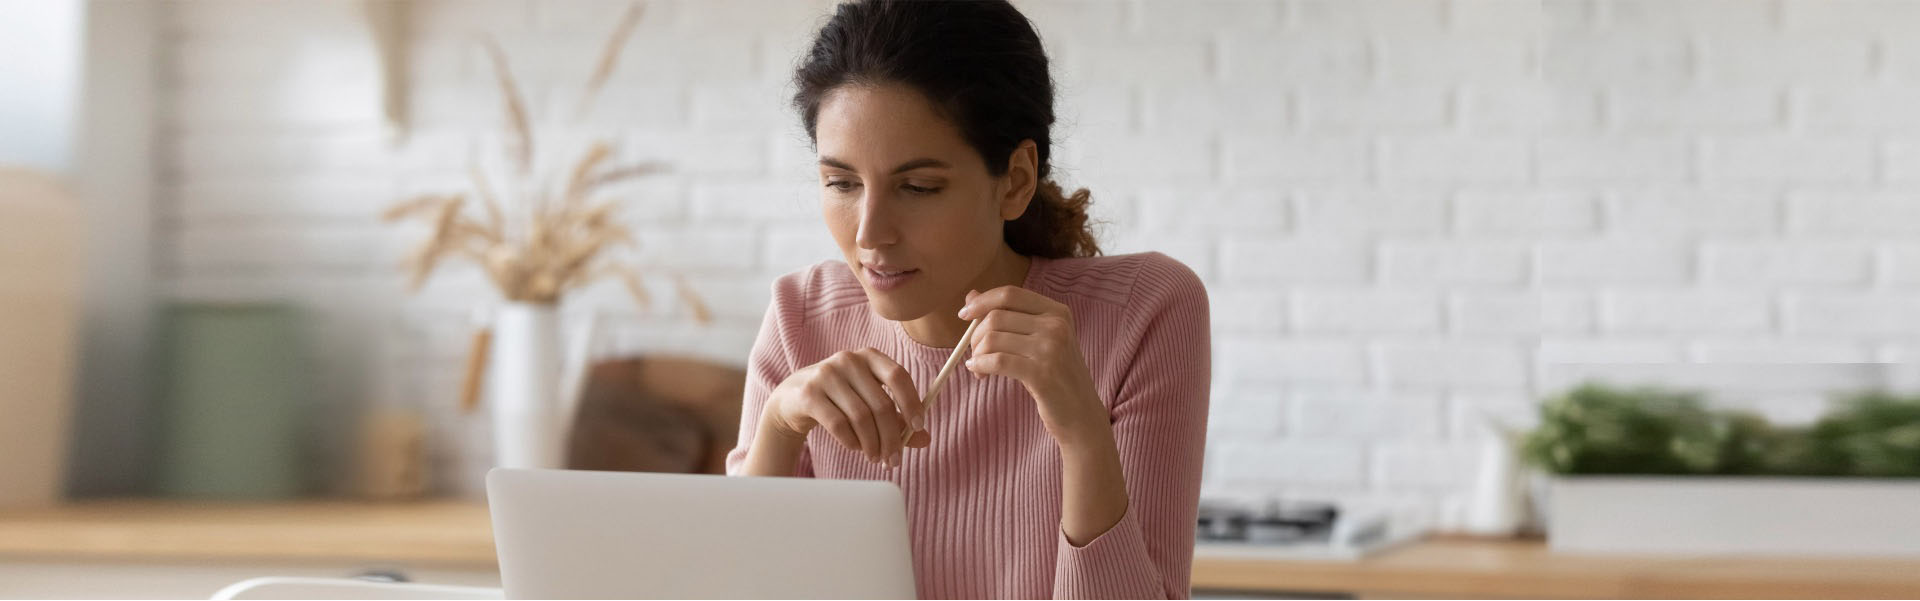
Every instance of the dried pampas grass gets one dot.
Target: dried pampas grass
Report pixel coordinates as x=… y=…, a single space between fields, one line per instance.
x=556 y=239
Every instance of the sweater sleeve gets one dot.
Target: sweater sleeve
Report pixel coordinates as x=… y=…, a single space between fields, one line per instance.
x=1159 y=425
x=769 y=364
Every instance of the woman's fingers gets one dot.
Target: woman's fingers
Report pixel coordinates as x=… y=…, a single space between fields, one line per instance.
x=859 y=417
x=1014 y=298
x=822 y=410
x=1004 y=342
x=905 y=394
x=865 y=400
x=880 y=406
x=1007 y=320
x=919 y=439
x=1018 y=367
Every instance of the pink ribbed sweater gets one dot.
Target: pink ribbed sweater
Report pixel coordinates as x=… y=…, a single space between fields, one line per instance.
x=983 y=502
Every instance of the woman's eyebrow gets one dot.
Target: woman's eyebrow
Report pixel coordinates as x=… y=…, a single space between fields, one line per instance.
x=904 y=167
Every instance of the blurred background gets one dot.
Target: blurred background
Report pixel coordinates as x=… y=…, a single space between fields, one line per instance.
x=1416 y=220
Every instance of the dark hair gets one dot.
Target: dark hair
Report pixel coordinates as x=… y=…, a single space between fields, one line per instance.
x=981 y=65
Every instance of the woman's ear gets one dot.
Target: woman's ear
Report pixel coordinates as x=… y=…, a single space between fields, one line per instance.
x=1023 y=179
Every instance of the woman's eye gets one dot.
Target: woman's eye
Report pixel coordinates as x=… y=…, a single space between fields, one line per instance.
x=919 y=190
x=842 y=186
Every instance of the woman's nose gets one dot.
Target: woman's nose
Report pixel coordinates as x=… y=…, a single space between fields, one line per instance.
x=876 y=226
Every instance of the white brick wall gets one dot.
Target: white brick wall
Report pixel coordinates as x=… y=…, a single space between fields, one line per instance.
x=1405 y=210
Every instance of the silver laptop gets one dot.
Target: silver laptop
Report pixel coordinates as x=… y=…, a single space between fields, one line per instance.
x=566 y=534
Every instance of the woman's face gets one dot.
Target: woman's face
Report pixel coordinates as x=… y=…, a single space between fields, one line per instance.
x=902 y=191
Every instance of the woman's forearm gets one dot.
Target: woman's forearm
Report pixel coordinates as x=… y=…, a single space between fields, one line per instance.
x=1093 y=487
x=774 y=452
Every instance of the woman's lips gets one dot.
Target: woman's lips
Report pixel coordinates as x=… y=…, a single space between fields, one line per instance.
x=885 y=282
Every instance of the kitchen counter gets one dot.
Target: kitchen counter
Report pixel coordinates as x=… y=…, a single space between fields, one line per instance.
x=458 y=535
x=1458 y=567
x=429 y=532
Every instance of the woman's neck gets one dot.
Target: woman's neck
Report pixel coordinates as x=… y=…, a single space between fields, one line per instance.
x=942 y=328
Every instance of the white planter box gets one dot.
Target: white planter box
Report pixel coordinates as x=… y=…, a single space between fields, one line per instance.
x=1735 y=516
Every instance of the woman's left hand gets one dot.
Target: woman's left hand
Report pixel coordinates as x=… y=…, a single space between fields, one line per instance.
x=1028 y=337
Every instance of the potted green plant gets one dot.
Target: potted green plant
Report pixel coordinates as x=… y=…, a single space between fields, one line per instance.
x=1658 y=470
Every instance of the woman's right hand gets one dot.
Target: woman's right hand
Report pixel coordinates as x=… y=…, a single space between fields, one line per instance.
x=848 y=394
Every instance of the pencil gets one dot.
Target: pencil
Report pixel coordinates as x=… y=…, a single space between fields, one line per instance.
x=933 y=391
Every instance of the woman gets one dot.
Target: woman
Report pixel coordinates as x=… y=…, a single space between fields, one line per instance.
x=1064 y=460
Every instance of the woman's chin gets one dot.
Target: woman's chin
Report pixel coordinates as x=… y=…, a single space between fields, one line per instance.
x=891 y=306
x=886 y=308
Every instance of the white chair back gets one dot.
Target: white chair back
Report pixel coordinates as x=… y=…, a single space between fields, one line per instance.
x=346 y=588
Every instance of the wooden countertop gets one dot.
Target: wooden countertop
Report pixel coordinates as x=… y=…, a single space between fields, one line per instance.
x=432 y=532
x=1479 y=568
x=459 y=534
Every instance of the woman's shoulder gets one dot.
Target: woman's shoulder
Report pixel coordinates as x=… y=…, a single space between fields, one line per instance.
x=1140 y=281
x=823 y=287
x=1151 y=307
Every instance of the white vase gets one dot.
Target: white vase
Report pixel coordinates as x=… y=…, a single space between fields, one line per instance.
x=1496 y=504
x=534 y=377
x=523 y=387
